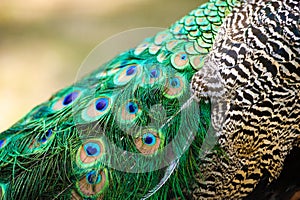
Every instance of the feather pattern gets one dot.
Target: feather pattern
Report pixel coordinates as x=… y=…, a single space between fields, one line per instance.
x=132 y=129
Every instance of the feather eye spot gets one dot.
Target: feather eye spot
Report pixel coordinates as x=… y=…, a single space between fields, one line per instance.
x=149 y=139
x=102 y=104
x=180 y=60
x=127 y=74
x=132 y=107
x=93 y=178
x=131 y=70
x=93 y=184
x=154 y=73
x=2 y=143
x=174 y=82
x=175 y=86
x=141 y=48
x=66 y=100
x=92 y=149
x=70 y=98
x=46 y=136
x=184 y=57
x=129 y=112
x=97 y=108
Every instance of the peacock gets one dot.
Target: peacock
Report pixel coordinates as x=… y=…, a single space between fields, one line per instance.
x=206 y=109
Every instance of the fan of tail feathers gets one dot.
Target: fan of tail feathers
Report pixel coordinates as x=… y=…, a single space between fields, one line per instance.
x=126 y=131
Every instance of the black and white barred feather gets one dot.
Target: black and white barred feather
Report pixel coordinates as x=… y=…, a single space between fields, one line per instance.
x=253 y=76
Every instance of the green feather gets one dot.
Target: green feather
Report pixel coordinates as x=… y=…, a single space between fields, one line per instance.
x=113 y=134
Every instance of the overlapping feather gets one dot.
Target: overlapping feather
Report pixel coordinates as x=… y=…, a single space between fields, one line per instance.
x=114 y=134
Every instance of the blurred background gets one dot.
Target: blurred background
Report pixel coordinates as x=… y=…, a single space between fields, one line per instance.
x=43 y=43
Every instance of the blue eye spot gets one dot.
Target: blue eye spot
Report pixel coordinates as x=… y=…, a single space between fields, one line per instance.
x=132 y=107
x=44 y=139
x=131 y=70
x=92 y=149
x=154 y=73
x=175 y=82
x=46 y=135
x=183 y=57
x=101 y=104
x=149 y=139
x=70 y=98
x=2 y=143
x=93 y=178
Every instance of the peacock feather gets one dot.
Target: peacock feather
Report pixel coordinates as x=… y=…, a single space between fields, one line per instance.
x=121 y=131
x=132 y=129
